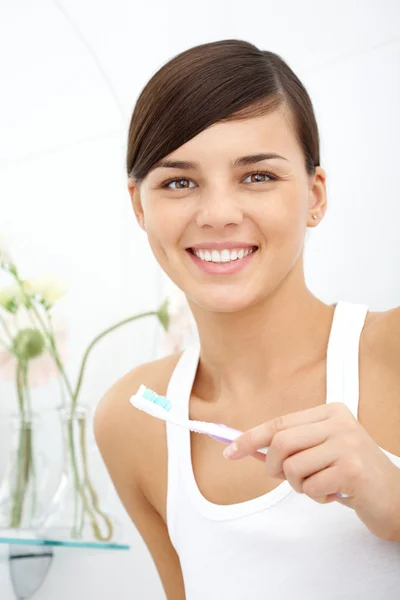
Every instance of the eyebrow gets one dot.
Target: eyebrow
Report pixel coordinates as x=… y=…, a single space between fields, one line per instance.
x=241 y=161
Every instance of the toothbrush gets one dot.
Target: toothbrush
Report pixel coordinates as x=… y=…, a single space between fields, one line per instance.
x=160 y=407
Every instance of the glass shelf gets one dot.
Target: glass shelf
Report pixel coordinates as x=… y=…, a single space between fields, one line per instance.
x=30 y=556
x=25 y=540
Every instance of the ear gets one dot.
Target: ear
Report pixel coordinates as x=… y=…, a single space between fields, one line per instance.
x=317 y=204
x=134 y=193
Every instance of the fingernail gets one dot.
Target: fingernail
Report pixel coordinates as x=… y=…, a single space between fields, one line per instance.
x=230 y=450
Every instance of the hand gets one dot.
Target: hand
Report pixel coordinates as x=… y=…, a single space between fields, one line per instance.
x=325 y=450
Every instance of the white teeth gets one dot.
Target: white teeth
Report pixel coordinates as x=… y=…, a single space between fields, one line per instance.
x=224 y=255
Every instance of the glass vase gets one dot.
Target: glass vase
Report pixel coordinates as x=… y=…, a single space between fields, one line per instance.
x=74 y=513
x=22 y=504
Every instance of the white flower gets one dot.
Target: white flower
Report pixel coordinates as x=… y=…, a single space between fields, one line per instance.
x=49 y=289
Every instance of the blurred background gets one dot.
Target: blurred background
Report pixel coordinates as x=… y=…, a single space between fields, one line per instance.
x=70 y=73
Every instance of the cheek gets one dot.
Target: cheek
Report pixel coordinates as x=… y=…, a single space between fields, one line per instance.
x=164 y=228
x=283 y=215
x=282 y=223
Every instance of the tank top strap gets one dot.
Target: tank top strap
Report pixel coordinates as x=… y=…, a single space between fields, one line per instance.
x=343 y=354
x=182 y=378
x=178 y=393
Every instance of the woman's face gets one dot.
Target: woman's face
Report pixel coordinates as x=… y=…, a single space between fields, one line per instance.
x=228 y=230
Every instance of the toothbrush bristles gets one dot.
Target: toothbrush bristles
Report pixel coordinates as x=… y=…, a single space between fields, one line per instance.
x=156 y=399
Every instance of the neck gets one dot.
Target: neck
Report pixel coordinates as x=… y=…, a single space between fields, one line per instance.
x=244 y=353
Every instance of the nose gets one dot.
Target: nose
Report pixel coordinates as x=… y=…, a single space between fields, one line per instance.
x=217 y=210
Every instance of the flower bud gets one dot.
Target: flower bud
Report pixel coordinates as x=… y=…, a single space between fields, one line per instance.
x=29 y=343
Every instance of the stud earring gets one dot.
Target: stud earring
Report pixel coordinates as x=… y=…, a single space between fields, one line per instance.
x=314 y=217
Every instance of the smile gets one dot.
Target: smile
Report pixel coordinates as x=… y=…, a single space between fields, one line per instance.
x=224 y=261
x=222 y=256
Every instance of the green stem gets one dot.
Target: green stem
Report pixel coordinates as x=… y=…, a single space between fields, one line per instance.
x=20 y=387
x=26 y=388
x=32 y=474
x=94 y=342
x=16 y=511
x=34 y=325
x=31 y=467
x=78 y=485
x=62 y=392
x=93 y=494
x=23 y=469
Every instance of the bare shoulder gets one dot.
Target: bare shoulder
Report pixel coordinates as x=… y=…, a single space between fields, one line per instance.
x=383 y=335
x=137 y=437
x=380 y=378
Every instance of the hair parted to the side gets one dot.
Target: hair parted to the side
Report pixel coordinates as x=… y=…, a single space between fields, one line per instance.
x=210 y=83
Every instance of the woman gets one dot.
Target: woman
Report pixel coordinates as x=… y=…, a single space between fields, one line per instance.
x=225 y=178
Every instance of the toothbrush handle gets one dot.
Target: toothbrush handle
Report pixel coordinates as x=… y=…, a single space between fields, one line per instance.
x=225 y=441
x=228 y=441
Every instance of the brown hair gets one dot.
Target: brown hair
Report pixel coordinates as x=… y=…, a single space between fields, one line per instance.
x=210 y=83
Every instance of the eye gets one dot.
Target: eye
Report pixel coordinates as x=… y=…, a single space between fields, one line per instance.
x=181 y=181
x=262 y=176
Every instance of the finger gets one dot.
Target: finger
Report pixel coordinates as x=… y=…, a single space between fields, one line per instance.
x=261 y=436
x=301 y=466
x=258 y=455
x=327 y=483
x=292 y=443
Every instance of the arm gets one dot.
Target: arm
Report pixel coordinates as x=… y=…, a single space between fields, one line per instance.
x=119 y=432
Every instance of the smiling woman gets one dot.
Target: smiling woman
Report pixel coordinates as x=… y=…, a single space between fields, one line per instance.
x=225 y=178
x=216 y=201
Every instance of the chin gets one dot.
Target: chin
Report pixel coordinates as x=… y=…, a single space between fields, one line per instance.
x=222 y=301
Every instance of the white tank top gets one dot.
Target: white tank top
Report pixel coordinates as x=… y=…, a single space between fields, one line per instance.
x=281 y=545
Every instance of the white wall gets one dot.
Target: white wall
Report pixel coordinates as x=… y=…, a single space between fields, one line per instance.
x=71 y=71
